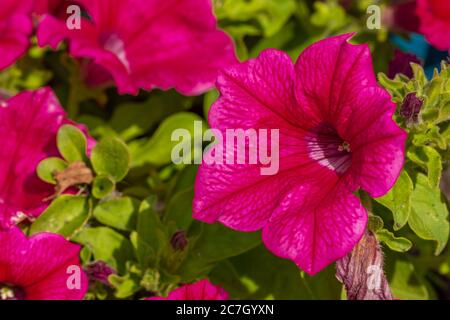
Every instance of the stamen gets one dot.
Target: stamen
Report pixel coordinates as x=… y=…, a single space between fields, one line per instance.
x=10 y=292
x=345 y=146
x=328 y=149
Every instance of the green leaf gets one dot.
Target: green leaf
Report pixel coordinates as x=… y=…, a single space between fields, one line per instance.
x=404 y=280
x=107 y=245
x=419 y=75
x=215 y=243
x=375 y=223
x=48 y=167
x=185 y=179
x=102 y=186
x=152 y=237
x=399 y=244
x=119 y=213
x=179 y=209
x=125 y=286
x=71 y=143
x=429 y=213
x=131 y=120
x=158 y=150
x=430 y=159
x=271 y=15
x=64 y=216
x=398 y=200
x=258 y=274
x=110 y=157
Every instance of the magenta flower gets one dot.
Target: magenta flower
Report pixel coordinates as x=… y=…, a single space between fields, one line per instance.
x=434 y=18
x=28 y=126
x=15 y=29
x=147 y=44
x=200 y=290
x=42 y=267
x=336 y=135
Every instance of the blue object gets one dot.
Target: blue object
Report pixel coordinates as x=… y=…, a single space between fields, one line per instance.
x=418 y=46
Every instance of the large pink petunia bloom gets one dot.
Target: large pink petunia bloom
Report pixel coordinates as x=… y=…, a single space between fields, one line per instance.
x=15 y=29
x=148 y=43
x=28 y=126
x=200 y=290
x=336 y=135
x=435 y=22
x=42 y=267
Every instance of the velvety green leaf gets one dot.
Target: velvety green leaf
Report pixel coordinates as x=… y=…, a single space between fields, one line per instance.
x=419 y=74
x=399 y=244
x=107 y=245
x=398 y=200
x=429 y=213
x=158 y=149
x=65 y=216
x=120 y=213
x=110 y=157
x=48 y=167
x=71 y=143
x=102 y=186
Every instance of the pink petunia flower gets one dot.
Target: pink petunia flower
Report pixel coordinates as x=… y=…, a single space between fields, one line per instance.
x=28 y=126
x=147 y=43
x=42 y=267
x=336 y=135
x=15 y=29
x=435 y=22
x=200 y=290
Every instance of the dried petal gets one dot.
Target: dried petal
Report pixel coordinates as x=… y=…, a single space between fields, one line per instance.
x=361 y=271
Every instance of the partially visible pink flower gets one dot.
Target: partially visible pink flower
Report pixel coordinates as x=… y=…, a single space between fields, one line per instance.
x=401 y=63
x=39 y=267
x=404 y=16
x=29 y=122
x=200 y=290
x=15 y=30
x=435 y=22
x=148 y=43
x=336 y=135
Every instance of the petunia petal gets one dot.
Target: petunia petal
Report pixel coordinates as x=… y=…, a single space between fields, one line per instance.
x=200 y=290
x=254 y=95
x=28 y=126
x=39 y=265
x=315 y=226
x=15 y=30
x=183 y=47
x=329 y=74
x=434 y=16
